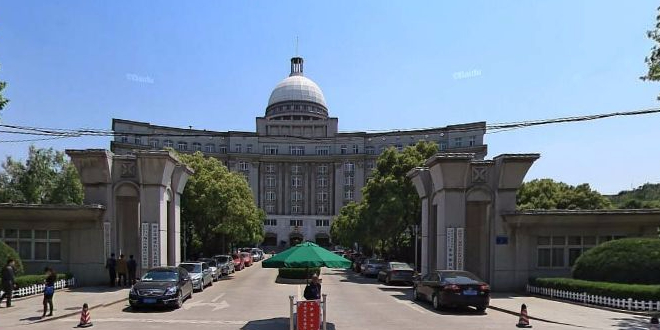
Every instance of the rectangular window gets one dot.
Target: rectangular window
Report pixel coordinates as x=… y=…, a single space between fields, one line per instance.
x=296 y=169
x=182 y=146
x=370 y=150
x=295 y=223
x=270 y=168
x=296 y=181
x=270 y=222
x=443 y=145
x=399 y=147
x=223 y=149
x=138 y=140
x=197 y=146
x=561 y=251
x=238 y=148
x=322 y=169
x=270 y=195
x=349 y=167
x=557 y=257
x=296 y=209
x=371 y=165
x=124 y=139
x=573 y=254
x=249 y=148
x=168 y=144
x=209 y=148
x=356 y=149
x=473 y=140
x=343 y=149
x=270 y=150
x=323 y=150
x=322 y=182
x=38 y=245
x=544 y=257
x=349 y=181
x=322 y=208
x=154 y=144
x=270 y=208
x=296 y=196
x=322 y=223
x=322 y=196
x=243 y=166
x=297 y=150
x=458 y=142
x=349 y=195
x=270 y=181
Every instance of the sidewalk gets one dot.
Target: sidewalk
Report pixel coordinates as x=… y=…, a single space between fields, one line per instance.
x=566 y=313
x=66 y=303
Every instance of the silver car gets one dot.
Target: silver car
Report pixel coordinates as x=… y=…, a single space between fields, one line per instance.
x=216 y=272
x=200 y=274
x=371 y=267
x=225 y=263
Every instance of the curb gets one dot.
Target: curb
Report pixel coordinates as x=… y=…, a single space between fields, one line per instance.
x=499 y=309
x=74 y=313
x=606 y=308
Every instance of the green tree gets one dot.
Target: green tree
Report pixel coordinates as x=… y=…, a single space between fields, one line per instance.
x=217 y=207
x=390 y=204
x=653 y=60
x=46 y=177
x=3 y=100
x=646 y=196
x=548 y=194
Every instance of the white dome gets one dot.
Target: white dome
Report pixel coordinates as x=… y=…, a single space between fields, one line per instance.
x=297 y=88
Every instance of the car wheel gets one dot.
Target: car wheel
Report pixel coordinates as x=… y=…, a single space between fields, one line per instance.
x=179 y=300
x=387 y=280
x=436 y=302
x=481 y=309
x=201 y=286
x=415 y=295
x=211 y=283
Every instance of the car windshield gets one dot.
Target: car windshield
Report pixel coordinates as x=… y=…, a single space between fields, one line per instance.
x=210 y=262
x=376 y=261
x=399 y=265
x=222 y=259
x=459 y=278
x=160 y=276
x=192 y=268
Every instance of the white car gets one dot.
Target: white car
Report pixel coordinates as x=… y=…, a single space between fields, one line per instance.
x=200 y=274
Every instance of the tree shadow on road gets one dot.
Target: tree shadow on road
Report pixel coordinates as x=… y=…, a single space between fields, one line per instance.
x=406 y=295
x=634 y=322
x=278 y=323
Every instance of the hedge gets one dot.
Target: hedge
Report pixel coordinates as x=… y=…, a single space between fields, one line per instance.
x=298 y=273
x=7 y=252
x=28 y=280
x=629 y=260
x=606 y=289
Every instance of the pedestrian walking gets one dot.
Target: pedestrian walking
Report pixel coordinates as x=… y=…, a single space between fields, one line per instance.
x=132 y=268
x=49 y=290
x=111 y=266
x=8 y=278
x=122 y=271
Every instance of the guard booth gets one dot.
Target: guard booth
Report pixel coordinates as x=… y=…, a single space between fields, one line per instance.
x=307 y=314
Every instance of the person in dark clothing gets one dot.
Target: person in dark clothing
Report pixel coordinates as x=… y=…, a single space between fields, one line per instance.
x=132 y=268
x=8 y=277
x=49 y=290
x=111 y=266
x=122 y=271
x=313 y=290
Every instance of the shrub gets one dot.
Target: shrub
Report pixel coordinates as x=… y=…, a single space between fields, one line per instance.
x=28 y=280
x=605 y=289
x=7 y=252
x=298 y=273
x=629 y=260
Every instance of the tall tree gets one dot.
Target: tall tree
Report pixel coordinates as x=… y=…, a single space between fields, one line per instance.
x=549 y=194
x=218 y=208
x=3 y=100
x=653 y=60
x=46 y=177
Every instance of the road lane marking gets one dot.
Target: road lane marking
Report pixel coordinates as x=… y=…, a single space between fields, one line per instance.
x=411 y=305
x=216 y=306
x=218 y=297
x=167 y=321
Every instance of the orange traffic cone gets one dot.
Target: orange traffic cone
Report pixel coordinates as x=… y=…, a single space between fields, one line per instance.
x=523 y=321
x=85 y=318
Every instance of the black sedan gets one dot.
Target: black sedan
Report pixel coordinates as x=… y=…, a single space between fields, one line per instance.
x=453 y=288
x=396 y=272
x=162 y=286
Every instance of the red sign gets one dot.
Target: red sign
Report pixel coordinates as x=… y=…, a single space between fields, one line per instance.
x=309 y=315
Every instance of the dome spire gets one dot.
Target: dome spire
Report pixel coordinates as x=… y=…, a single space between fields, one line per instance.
x=296 y=66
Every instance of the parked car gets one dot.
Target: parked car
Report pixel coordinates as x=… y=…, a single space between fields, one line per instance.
x=216 y=272
x=225 y=263
x=371 y=267
x=247 y=259
x=357 y=263
x=452 y=288
x=238 y=262
x=256 y=255
x=162 y=286
x=396 y=272
x=200 y=273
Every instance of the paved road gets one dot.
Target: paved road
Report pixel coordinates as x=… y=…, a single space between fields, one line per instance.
x=251 y=300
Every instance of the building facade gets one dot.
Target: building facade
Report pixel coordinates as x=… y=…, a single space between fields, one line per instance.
x=300 y=168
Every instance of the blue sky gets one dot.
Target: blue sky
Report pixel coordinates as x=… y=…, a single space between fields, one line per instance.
x=381 y=65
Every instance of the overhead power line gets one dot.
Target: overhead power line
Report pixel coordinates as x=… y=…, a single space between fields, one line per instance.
x=62 y=133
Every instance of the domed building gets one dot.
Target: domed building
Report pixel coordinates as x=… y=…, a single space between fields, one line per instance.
x=301 y=169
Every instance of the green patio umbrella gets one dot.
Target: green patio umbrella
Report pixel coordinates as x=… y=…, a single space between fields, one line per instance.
x=306 y=255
